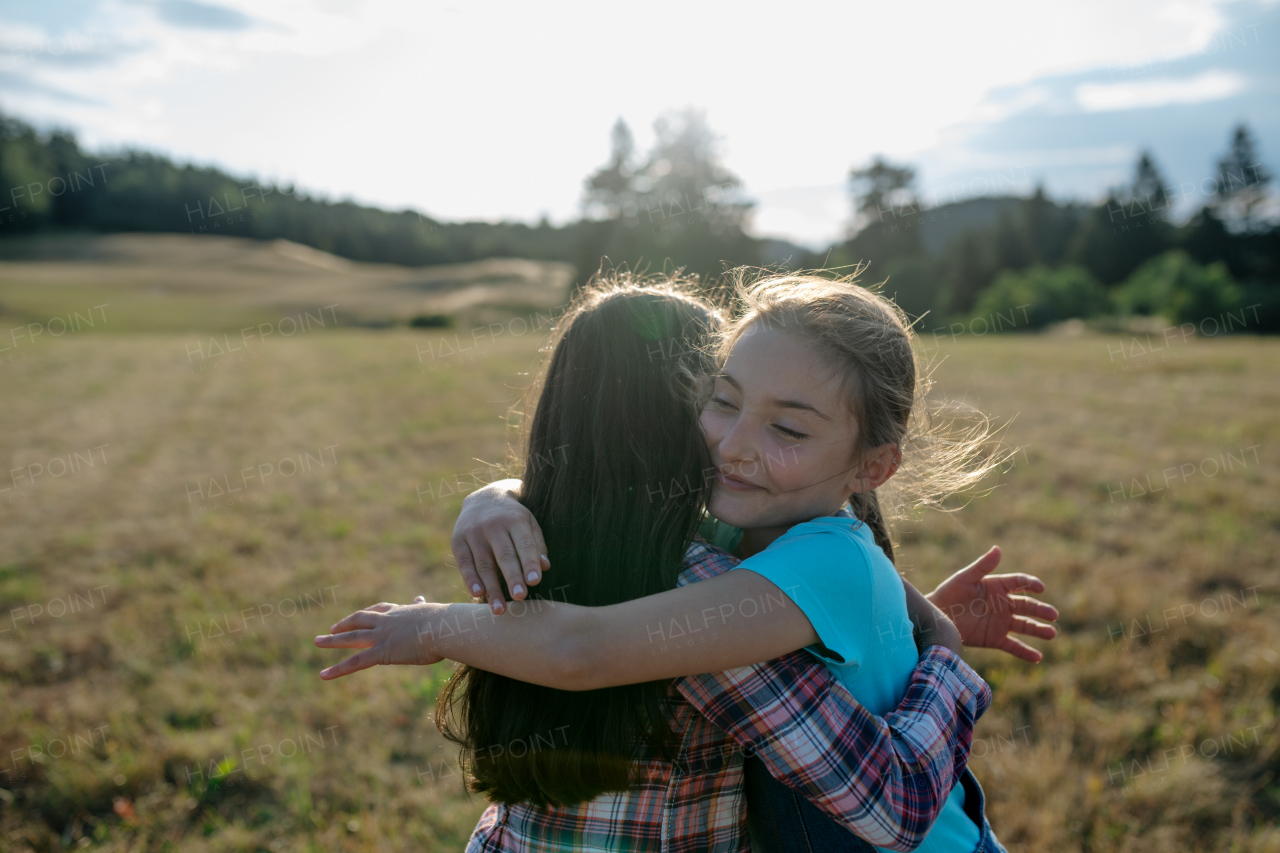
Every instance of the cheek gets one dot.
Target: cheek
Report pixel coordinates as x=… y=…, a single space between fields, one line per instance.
x=712 y=424
x=786 y=463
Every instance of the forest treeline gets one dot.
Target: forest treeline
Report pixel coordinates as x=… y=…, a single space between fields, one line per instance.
x=1125 y=256
x=678 y=206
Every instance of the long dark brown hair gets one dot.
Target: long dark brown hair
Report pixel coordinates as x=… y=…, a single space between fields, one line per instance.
x=614 y=473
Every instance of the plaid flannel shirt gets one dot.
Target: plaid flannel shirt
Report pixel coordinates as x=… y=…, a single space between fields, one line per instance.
x=886 y=780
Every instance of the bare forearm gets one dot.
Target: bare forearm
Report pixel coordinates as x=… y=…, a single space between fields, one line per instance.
x=686 y=631
x=536 y=642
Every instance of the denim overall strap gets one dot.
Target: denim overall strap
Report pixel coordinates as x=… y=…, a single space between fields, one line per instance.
x=975 y=806
x=783 y=821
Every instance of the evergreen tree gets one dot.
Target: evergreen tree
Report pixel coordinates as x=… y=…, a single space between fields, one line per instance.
x=1048 y=228
x=1139 y=216
x=1206 y=239
x=1117 y=237
x=684 y=174
x=609 y=190
x=881 y=192
x=1242 y=181
x=885 y=225
x=1149 y=185
x=967 y=270
x=681 y=209
x=1012 y=247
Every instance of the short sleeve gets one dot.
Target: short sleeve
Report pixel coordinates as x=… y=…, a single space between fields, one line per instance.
x=827 y=575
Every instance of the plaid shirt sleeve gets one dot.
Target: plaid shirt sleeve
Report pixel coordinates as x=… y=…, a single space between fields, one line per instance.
x=885 y=779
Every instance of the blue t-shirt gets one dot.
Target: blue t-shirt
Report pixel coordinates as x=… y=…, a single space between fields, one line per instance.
x=832 y=570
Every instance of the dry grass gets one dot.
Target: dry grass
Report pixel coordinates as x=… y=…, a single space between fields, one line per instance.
x=1169 y=637
x=175 y=282
x=154 y=563
x=1057 y=749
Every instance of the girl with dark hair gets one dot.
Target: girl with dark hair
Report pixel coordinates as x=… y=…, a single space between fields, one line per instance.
x=617 y=400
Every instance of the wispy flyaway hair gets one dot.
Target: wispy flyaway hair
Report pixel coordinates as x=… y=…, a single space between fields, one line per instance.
x=866 y=337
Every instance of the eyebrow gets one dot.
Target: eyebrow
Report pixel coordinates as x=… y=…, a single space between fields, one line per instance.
x=799 y=405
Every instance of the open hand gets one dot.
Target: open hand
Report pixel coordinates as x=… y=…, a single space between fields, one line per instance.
x=388 y=633
x=982 y=607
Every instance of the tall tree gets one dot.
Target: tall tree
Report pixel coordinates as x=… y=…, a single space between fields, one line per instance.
x=1013 y=248
x=684 y=173
x=1242 y=181
x=881 y=192
x=1148 y=184
x=1048 y=227
x=682 y=208
x=885 y=224
x=1143 y=215
x=966 y=271
x=609 y=190
x=1099 y=245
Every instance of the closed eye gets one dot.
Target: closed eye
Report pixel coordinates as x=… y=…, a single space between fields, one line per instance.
x=790 y=433
x=724 y=404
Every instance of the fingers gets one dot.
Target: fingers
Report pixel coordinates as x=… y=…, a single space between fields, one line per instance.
x=1023 y=606
x=485 y=567
x=1017 y=583
x=528 y=552
x=362 y=639
x=540 y=544
x=981 y=567
x=1032 y=628
x=359 y=619
x=1019 y=649
x=467 y=566
x=510 y=560
x=355 y=663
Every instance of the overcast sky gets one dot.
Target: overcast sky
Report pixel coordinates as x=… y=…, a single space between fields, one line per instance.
x=483 y=110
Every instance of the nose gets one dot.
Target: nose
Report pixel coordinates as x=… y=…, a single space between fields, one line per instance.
x=735 y=445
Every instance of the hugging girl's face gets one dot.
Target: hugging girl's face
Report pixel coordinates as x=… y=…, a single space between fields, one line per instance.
x=780 y=433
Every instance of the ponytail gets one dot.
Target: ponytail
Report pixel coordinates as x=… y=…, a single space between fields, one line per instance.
x=866 y=506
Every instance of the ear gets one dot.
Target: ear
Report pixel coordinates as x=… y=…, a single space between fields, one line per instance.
x=881 y=464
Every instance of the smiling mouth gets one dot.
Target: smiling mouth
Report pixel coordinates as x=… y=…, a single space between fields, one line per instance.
x=736 y=484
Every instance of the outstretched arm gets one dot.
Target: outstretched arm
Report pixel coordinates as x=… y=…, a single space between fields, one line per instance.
x=734 y=619
x=730 y=619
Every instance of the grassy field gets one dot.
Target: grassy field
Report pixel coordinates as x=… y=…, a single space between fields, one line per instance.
x=160 y=688
x=168 y=282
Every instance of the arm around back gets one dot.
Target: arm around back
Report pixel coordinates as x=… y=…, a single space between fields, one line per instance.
x=885 y=779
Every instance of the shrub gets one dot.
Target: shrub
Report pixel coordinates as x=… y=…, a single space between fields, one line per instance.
x=432 y=321
x=1261 y=304
x=1179 y=288
x=1040 y=296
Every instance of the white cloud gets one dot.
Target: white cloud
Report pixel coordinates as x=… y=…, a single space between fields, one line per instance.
x=1161 y=92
